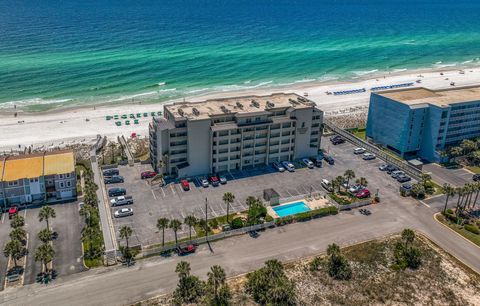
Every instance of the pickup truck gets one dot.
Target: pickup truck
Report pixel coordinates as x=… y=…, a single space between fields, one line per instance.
x=121 y=200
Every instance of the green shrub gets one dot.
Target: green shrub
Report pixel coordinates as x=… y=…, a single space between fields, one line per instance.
x=268 y=218
x=449 y=211
x=213 y=223
x=308 y=215
x=472 y=229
x=237 y=223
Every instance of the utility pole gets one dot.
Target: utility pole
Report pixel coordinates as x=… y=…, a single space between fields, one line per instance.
x=206 y=218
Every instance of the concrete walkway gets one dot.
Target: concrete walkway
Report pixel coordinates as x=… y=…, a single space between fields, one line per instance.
x=108 y=232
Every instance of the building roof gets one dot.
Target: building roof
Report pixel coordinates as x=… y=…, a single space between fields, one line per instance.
x=441 y=97
x=35 y=165
x=59 y=163
x=237 y=105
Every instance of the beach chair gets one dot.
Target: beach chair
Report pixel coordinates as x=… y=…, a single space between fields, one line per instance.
x=145 y=114
x=124 y=116
x=108 y=117
x=118 y=123
x=139 y=115
x=127 y=122
x=153 y=114
x=135 y=121
x=159 y=113
x=132 y=116
x=115 y=117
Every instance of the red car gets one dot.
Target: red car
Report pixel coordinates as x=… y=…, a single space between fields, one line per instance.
x=185 y=185
x=186 y=250
x=12 y=211
x=214 y=180
x=363 y=194
x=148 y=174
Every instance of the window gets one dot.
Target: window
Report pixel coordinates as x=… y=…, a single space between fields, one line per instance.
x=62 y=185
x=69 y=184
x=12 y=183
x=303 y=124
x=249 y=120
x=67 y=175
x=61 y=176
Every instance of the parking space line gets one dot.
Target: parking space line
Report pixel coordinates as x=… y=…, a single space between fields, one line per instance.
x=173 y=190
x=3 y=218
x=153 y=193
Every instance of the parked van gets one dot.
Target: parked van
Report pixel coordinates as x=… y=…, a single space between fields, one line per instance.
x=327 y=185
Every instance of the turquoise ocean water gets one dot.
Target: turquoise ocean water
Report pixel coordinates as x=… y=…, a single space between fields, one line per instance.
x=59 y=53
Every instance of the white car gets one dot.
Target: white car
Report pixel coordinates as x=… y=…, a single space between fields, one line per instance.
x=124 y=212
x=308 y=163
x=359 y=150
x=288 y=165
x=278 y=167
x=205 y=182
x=368 y=156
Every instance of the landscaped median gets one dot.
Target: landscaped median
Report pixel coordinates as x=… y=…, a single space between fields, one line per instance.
x=468 y=231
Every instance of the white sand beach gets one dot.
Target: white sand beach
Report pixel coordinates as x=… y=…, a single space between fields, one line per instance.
x=81 y=125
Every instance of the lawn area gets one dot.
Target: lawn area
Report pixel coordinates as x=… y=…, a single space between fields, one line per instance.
x=459 y=229
x=474 y=169
x=360 y=133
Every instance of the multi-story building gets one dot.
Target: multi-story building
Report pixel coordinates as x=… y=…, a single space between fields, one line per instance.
x=235 y=133
x=37 y=178
x=420 y=122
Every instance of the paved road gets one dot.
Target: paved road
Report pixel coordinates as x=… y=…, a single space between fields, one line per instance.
x=454 y=177
x=242 y=254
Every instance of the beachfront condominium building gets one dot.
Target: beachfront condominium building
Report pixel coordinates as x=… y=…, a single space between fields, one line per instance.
x=233 y=134
x=37 y=178
x=420 y=122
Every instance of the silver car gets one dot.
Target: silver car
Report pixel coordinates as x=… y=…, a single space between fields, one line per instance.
x=368 y=156
x=205 y=183
x=359 y=150
x=278 y=167
x=124 y=212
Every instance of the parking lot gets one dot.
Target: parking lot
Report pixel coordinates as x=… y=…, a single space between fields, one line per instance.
x=456 y=176
x=171 y=201
x=67 y=246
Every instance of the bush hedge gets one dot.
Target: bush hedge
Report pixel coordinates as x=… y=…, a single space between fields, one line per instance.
x=305 y=216
x=472 y=229
x=237 y=223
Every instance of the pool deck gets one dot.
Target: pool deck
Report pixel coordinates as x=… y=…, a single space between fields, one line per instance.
x=314 y=202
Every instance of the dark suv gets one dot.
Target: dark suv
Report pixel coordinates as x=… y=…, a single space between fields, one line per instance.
x=113 y=179
x=115 y=192
x=111 y=172
x=476 y=177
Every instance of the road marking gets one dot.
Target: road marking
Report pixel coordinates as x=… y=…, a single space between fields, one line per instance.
x=161 y=188
x=424 y=203
x=25 y=214
x=153 y=193
x=173 y=190
x=3 y=217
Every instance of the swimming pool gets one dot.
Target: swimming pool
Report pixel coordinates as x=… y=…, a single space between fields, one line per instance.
x=291 y=209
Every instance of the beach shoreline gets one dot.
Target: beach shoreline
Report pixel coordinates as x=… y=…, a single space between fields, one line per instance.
x=81 y=124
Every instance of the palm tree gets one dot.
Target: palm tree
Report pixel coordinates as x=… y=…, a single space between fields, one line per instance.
x=18 y=234
x=45 y=235
x=460 y=192
x=467 y=146
x=126 y=232
x=17 y=221
x=89 y=236
x=175 y=225
x=190 y=221
x=228 y=198
x=44 y=254
x=162 y=224
x=477 y=191
x=15 y=249
x=449 y=192
x=362 y=182
x=340 y=179
x=216 y=279
x=349 y=174
x=425 y=179
x=182 y=269
x=45 y=213
x=455 y=152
